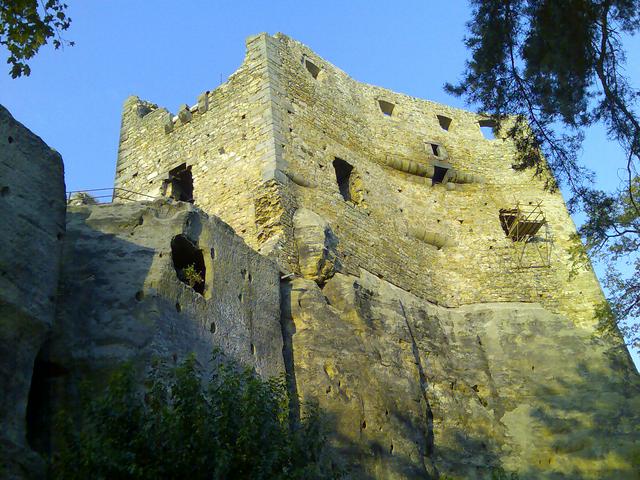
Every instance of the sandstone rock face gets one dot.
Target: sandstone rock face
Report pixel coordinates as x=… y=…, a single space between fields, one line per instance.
x=413 y=390
x=32 y=211
x=316 y=245
x=123 y=298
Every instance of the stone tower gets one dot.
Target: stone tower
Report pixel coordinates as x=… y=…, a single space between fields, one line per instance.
x=412 y=189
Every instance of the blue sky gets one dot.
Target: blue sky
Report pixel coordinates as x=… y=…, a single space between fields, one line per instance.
x=168 y=52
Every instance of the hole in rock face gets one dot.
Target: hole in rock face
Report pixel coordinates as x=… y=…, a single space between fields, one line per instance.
x=386 y=107
x=363 y=425
x=252 y=347
x=10 y=139
x=4 y=191
x=180 y=183
x=39 y=408
x=212 y=327
x=445 y=122
x=178 y=307
x=139 y=295
x=188 y=263
x=343 y=177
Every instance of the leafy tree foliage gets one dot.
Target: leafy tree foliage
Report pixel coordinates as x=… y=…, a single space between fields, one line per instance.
x=544 y=70
x=235 y=426
x=27 y=25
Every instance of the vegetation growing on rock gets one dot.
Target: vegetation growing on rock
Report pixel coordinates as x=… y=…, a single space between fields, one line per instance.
x=178 y=426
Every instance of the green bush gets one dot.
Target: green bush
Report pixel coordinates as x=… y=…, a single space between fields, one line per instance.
x=235 y=426
x=192 y=276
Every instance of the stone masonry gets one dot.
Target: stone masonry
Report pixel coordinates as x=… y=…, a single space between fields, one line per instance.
x=263 y=144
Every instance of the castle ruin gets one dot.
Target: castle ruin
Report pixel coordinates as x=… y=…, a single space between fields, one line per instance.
x=382 y=251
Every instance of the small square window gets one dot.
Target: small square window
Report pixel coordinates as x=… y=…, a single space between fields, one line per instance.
x=445 y=122
x=386 y=107
x=311 y=67
x=487 y=129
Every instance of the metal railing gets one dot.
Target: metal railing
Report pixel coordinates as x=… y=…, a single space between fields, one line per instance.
x=106 y=195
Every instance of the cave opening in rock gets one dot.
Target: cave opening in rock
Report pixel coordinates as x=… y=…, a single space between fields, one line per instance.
x=343 y=176
x=39 y=408
x=180 y=183
x=188 y=262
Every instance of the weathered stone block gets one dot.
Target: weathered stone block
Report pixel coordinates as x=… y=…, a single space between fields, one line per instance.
x=316 y=245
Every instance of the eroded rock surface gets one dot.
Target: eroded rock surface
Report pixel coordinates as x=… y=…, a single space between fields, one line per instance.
x=32 y=212
x=412 y=389
x=316 y=245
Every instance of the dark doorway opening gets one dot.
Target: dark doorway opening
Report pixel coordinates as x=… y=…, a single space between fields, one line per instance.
x=439 y=174
x=180 y=183
x=343 y=176
x=188 y=263
x=39 y=408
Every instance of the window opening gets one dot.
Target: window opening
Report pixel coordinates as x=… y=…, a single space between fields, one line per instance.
x=311 y=67
x=343 y=177
x=435 y=148
x=180 y=183
x=188 y=263
x=439 y=174
x=445 y=122
x=486 y=128
x=386 y=107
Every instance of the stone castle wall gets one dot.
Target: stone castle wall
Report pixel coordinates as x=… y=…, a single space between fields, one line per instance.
x=335 y=116
x=265 y=147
